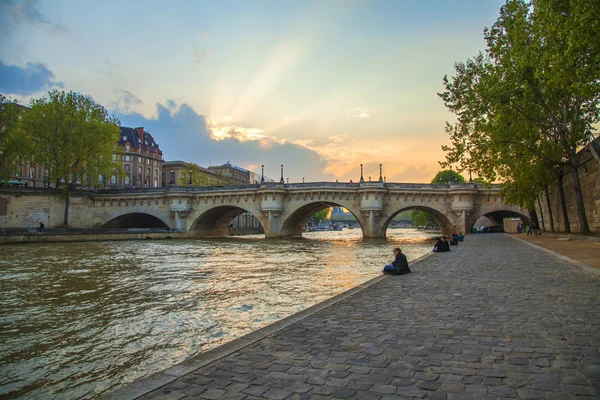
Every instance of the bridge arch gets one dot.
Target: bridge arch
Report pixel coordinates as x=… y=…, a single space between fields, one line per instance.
x=293 y=223
x=442 y=220
x=135 y=220
x=496 y=216
x=214 y=222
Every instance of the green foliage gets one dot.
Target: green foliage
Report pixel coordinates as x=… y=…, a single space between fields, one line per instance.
x=199 y=177
x=531 y=98
x=421 y=218
x=14 y=144
x=74 y=137
x=448 y=176
x=322 y=215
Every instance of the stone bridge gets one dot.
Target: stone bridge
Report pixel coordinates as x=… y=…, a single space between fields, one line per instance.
x=282 y=209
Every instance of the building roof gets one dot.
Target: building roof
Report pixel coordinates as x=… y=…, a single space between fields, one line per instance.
x=139 y=139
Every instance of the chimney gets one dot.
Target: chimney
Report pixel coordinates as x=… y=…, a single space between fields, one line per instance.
x=140 y=132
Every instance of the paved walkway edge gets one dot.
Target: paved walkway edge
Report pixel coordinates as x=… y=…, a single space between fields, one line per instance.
x=586 y=268
x=145 y=385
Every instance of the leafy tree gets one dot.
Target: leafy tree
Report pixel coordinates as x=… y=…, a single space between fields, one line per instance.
x=421 y=218
x=448 y=176
x=322 y=215
x=14 y=144
x=199 y=177
x=74 y=137
x=536 y=90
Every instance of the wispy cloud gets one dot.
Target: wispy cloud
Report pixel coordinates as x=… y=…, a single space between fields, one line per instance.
x=358 y=113
x=126 y=101
x=34 y=77
x=27 y=12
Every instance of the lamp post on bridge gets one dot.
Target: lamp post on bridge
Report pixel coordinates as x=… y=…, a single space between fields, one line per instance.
x=262 y=174
x=361 y=174
x=380 y=173
x=190 y=183
x=282 y=180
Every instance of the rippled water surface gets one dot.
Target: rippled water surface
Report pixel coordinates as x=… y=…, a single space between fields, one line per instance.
x=80 y=319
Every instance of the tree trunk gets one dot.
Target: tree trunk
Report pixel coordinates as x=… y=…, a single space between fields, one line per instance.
x=533 y=216
x=583 y=222
x=541 y=213
x=563 y=202
x=550 y=210
x=67 y=200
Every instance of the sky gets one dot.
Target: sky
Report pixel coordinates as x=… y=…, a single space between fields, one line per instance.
x=320 y=86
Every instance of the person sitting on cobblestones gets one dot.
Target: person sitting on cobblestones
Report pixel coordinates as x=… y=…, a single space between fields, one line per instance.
x=441 y=245
x=400 y=264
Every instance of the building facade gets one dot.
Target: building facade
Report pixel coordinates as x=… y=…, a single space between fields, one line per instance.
x=231 y=173
x=141 y=158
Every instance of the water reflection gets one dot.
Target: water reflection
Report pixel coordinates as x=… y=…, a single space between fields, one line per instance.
x=79 y=319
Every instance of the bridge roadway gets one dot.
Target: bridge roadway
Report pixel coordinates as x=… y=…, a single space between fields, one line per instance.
x=494 y=318
x=284 y=209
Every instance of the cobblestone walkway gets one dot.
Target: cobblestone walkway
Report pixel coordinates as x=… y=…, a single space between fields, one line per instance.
x=494 y=318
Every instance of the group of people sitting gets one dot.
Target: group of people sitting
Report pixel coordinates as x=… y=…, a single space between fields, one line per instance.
x=443 y=244
x=400 y=264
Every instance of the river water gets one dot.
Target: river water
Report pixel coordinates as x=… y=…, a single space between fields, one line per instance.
x=81 y=319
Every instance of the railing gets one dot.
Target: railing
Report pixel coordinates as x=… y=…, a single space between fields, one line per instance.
x=267 y=185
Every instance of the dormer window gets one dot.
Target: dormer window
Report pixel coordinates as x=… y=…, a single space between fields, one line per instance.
x=127 y=149
x=124 y=137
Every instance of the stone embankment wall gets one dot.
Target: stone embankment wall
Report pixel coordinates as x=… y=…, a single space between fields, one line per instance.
x=21 y=209
x=589 y=176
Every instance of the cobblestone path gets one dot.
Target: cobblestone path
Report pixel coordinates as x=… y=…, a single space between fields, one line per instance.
x=494 y=318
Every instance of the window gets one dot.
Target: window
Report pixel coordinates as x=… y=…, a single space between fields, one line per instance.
x=127 y=158
x=127 y=180
x=113 y=180
x=127 y=149
x=139 y=159
x=127 y=168
x=114 y=157
x=124 y=137
x=140 y=170
x=155 y=172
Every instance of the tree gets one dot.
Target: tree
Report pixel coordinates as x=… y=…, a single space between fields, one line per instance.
x=421 y=218
x=322 y=215
x=199 y=177
x=75 y=138
x=14 y=143
x=448 y=176
x=535 y=91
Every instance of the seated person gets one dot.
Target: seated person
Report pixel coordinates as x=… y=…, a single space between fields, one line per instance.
x=454 y=241
x=461 y=237
x=400 y=264
x=441 y=245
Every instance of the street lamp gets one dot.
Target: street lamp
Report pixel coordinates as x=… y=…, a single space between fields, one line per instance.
x=281 y=180
x=361 y=174
x=172 y=177
x=262 y=174
x=190 y=176
x=380 y=173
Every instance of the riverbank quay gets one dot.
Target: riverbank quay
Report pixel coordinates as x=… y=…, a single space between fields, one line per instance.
x=581 y=248
x=31 y=235
x=494 y=318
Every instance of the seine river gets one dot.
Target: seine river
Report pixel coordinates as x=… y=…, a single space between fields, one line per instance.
x=81 y=319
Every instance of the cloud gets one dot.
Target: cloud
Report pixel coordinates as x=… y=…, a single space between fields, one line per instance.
x=358 y=113
x=26 y=12
x=183 y=134
x=199 y=54
x=126 y=101
x=35 y=77
x=338 y=138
